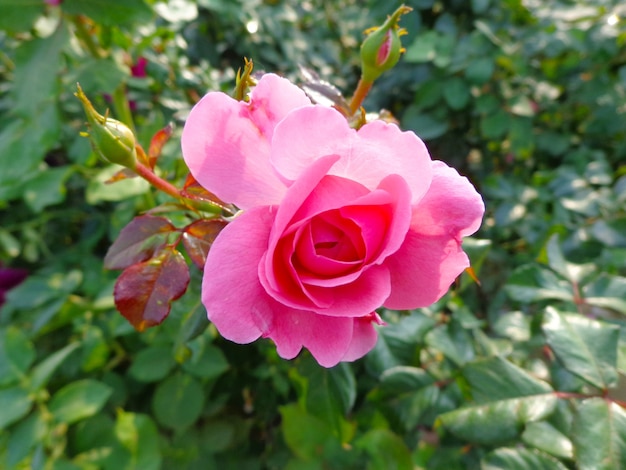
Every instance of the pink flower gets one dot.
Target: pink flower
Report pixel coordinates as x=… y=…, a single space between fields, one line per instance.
x=334 y=224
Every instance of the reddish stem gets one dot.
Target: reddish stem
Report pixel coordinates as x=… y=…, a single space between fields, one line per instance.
x=362 y=89
x=159 y=183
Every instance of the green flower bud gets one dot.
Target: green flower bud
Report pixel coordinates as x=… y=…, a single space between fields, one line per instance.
x=382 y=48
x=110 y=138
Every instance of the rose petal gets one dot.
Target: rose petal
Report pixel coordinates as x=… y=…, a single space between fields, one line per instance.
x=293 y=199
x=235 y=300
x=226 y=143
x=431 y=257
x=327 y=338
x=367 y=157
x=364 y=337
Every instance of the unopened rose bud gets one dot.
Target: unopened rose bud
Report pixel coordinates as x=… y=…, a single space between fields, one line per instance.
x=382 y=48
x=110 y=138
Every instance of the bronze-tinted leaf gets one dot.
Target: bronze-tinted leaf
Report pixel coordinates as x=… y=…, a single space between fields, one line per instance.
x=193 y=190
x=138 y=241
x=198 y=238
x=156 y=144
x=144 y=291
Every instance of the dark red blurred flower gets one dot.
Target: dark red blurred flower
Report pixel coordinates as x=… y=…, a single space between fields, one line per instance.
x=139 y=69
x=9 y=278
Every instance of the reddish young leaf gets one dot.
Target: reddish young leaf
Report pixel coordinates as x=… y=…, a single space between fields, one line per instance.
x=198 y=238
x=156 y=144
x=144 y=291
x=123 y=174
x=193 y=190
x=138 y=241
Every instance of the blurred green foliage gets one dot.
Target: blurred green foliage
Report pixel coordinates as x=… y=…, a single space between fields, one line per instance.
x=525 y=371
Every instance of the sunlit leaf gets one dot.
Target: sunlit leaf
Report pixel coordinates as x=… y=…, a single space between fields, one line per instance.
x=530 y=283
x=138 y=241
x=507 y=398
x=79 y=400
x=545 y=437
x=198 y=238
x=508 y=458
x=587 y=348
x=144 y=291
x=499 y=421
x=599 y=435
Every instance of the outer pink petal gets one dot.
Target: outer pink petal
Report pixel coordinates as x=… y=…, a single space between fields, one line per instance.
x=367 y=156
x=226 y=143
x=431 y=257
x=327 y=338
x=364 y=338
x=235 y=300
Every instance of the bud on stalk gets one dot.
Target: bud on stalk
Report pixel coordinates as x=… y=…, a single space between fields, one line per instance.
x=382 y=48
x=110 y=138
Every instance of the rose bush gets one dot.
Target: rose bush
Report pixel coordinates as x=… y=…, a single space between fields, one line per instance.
x=335 y=222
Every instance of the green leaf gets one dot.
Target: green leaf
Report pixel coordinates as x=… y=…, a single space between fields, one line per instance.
x=497 y=422
x=456 y=93
x=79 y=400
x=152 y=364
x=607 y=292
x=42 y=372
x=585 y=347
x=178 y=401
x=397 y=342
x=494 y=126
x=519 y=459
x=138 y=434
x=15 y=403
x=496 y=379
x=531 y=283
x=401 y=379
x=209 y=363
x=110 y=12
x=100 y=75
x=386 y=450
x=46 y=188
x=547 y=438
x=98 y=190
x=425 y=125
x=306 y=435
x=453 y=341
x=508 y=398
x=423 y=49
x=330 y=393
x=599 y=435
x=480 y=70
x=16 y=355
x=19 y=15
x=24 y=436
x=28 y=138
x=37 y=64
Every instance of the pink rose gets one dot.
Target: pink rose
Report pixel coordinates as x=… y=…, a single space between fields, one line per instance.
x=334 y=224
